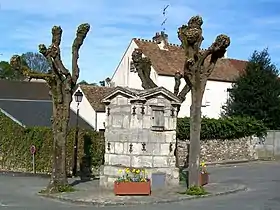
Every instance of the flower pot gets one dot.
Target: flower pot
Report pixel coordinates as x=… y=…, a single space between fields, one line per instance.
x=203 y=179
x=132 y=188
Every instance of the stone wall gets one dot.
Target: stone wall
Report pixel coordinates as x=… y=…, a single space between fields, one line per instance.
x=213 y=151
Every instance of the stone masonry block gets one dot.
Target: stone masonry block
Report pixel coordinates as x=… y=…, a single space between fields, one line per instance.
x=153 y=148
x=125 y=109
x=112 y=171
x=134 y=123
x=110 y=182
x=117 y=121
x=121 y=160
x=126 y=122
x=112 y=147
x=171 y=161
x=164 y=149
x=141 y=161
x=122 y=100
x=124 y=136
x=103 y=180
x=136 y=149
x=119 y=148
x=170 y=136
x=145 y=135
x=106 y=158
x=157 y=137
x=160 y=161
x=146 y=122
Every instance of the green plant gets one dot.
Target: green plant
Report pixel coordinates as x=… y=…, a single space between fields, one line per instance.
x=61 y=189
x=132 y=175
x=196 y=190
x=223 y=128
x=15 y=142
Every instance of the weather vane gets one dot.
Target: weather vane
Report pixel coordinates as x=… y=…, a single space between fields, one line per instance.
x=165 y=18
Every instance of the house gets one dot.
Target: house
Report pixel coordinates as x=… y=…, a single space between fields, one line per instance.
x=29 y=104
x=91 y=108
x=168 y=58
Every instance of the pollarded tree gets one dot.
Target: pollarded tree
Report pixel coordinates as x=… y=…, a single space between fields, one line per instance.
x=198 y=66
x=256 y=92
x=61 y=83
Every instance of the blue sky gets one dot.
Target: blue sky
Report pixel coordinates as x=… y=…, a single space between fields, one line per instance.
x=251 y=25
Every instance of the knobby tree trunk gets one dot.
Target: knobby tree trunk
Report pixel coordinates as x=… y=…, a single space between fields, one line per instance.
x=61 y=116
x=199 y=65
x=195 y=128
x=61 y=83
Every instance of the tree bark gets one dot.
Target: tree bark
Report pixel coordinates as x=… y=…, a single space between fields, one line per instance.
x=60 y=120
x=195 y=128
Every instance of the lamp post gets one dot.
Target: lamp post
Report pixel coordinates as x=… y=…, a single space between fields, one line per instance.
x=78 y=98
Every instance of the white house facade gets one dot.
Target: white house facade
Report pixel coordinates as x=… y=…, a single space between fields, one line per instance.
x=166 y=60
x=91 y=109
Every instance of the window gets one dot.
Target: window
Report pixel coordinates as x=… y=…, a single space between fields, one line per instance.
x=157 y=118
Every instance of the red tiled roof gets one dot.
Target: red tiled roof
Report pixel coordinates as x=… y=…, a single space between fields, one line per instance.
x=95 y=94
x=167 y=62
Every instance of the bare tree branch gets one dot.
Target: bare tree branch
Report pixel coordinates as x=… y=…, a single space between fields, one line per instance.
x=16 y=64
x=53 y=53
x=177 y=78
x=81 y=34
x=143 y=67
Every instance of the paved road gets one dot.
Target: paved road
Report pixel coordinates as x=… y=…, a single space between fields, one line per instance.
x=262 y=179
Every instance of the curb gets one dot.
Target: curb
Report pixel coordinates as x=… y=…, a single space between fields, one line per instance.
x=232 y=162
x=240 y=188
x=23 y=174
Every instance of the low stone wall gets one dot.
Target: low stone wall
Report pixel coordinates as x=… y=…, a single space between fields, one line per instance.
x=221 y=150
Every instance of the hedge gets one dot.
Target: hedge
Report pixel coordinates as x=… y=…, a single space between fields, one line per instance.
x=15 y=142
x=223 y=128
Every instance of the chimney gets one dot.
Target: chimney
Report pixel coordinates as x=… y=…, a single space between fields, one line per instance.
x=161 y=39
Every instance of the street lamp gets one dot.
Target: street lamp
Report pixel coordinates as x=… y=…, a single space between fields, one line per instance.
x=78 y=98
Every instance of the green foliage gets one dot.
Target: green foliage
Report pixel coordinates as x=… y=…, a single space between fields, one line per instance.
x=223 y=128
x=7 y=72
x=15 y=142
x=256 y=92
x=196 y=190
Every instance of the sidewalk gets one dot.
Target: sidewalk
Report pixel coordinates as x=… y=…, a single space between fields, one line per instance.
x=89 y=193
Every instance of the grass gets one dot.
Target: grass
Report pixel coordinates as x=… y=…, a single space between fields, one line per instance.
x=59 y=189
x=195 y=191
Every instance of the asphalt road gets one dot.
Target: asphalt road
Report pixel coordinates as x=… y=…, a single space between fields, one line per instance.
x=263 y=180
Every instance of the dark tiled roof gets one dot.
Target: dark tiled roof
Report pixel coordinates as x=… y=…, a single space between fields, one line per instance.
x=95 y=94
x=24 y=90
x=36 y=113
x=167 y=62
